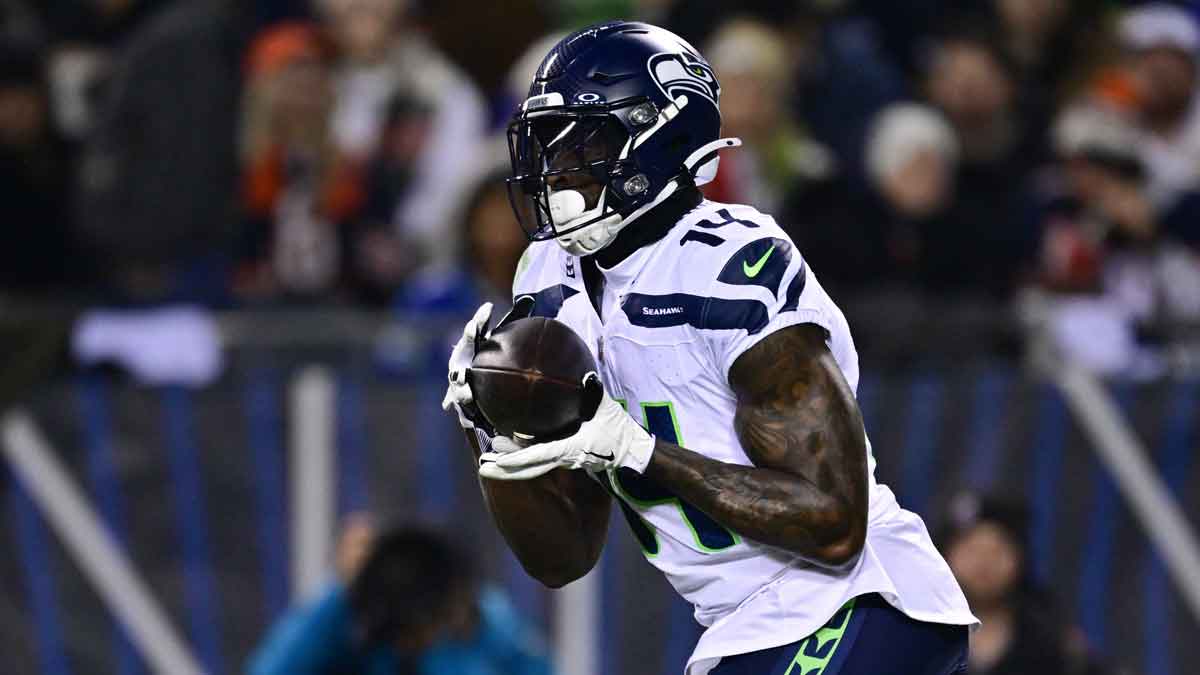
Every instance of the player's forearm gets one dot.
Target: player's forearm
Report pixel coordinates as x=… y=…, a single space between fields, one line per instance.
x=767 y=505
x=554 y=524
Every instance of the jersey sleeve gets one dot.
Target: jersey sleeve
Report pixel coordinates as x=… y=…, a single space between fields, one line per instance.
x=761 y=285
x=538 y=275
x=521 y=274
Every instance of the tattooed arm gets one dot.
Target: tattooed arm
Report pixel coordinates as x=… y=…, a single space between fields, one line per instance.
x=799 y=423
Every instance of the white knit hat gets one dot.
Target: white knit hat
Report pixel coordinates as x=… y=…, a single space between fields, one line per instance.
x=900 y=131
x=1160 y=25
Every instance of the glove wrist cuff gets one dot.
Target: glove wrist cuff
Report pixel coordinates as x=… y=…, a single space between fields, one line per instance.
x=641 y=450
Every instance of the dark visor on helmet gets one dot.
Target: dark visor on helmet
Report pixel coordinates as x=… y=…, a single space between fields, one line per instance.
x=565 y=147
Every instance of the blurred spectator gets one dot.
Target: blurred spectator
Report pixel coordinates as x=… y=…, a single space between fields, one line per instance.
x=912 y=228
x=408 y=602
x=1163 y=44
x=911 y=157
x=986 y=547
x=1095 y=202
x=366 y=34
x=299 y=189
x=383 y=256
x=968 y=79
x=896 y=250
x=33 y=180
x=492 y=244
x=1029 y=27
x=382 y=57
x=81 y=37
x=1112 y=259
x=890 y=234
x=1051 y=46
x=76 y=73
x=755 y=66
x=158 y=174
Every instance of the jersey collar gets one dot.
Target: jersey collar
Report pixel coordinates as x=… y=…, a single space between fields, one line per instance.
x=651 y=227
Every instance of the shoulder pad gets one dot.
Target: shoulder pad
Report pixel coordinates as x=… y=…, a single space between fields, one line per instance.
x=739 y=245
x=761 y=262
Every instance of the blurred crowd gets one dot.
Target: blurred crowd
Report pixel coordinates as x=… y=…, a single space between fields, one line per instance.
x=1023 y=631
x=992 y=154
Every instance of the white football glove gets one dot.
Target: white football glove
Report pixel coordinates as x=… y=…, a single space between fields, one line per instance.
x=458 y=394
x=610 y=440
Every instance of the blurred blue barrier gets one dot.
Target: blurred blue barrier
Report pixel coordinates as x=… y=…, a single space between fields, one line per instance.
x=265 y=422
x=1046 y=478
x=193 y=484
x=44 y=611
x=200 y=585
x=1176 y=458
x=102 y=475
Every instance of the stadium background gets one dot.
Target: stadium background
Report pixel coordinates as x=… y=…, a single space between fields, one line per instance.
x=238 y=237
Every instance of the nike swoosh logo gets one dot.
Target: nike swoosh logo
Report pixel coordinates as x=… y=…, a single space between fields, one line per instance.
x=753 y=270
x=608 y=458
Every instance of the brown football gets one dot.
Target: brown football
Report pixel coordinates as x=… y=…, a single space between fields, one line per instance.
x=527 y=379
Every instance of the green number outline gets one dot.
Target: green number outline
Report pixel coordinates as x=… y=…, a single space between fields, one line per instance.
x=615 y=479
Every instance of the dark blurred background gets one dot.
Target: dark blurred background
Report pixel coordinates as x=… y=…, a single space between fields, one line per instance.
x=197 y=197
x=973 y=165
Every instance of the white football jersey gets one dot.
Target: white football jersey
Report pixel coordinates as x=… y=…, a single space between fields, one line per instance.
x=675 y=316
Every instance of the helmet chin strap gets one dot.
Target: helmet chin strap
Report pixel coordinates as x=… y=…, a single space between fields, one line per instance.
x=568 y=208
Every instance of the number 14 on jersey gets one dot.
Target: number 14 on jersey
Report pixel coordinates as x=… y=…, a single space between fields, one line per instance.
x=631 y=487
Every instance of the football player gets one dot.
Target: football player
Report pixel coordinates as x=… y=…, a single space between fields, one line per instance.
x=729 y=432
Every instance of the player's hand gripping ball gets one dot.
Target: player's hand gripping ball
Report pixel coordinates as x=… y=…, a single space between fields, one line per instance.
x=611 y=439
x=458 y=393
x=532 y=383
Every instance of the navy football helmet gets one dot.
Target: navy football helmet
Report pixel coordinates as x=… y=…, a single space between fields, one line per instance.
x=619 y=117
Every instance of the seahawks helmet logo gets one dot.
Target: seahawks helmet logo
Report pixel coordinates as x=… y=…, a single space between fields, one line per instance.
x=683 y=73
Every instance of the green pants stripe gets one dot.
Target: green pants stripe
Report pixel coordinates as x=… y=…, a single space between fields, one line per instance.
x=803 y=663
